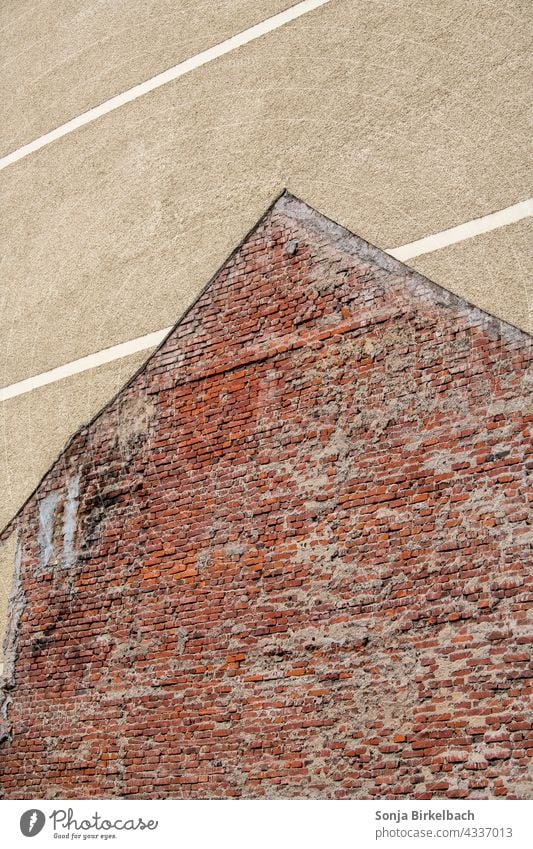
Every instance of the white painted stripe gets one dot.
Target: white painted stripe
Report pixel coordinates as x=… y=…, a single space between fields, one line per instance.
x=476 y=227
x=100 y=358
x=165 y=77
x=423 y=246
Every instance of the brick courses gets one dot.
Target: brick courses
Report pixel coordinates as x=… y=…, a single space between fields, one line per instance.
x=292 y=557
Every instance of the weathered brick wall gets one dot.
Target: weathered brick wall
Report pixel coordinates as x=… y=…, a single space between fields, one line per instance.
x=291 y=558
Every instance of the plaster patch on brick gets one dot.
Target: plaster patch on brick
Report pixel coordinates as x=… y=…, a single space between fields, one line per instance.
x=8 y=551
x=69 y=521
x=47 y=511
x=134 y=416
x=16 y=605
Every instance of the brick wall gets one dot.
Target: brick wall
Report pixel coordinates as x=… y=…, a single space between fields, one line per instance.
x=290 y=559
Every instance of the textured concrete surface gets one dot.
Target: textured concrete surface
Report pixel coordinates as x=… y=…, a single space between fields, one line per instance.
x=378 y=119
x=397 y=120
x=289 y=560
x=35 y=427
x=60 y=58
x=492 y=271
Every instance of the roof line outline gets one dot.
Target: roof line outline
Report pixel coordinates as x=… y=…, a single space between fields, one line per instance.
x=298 y=209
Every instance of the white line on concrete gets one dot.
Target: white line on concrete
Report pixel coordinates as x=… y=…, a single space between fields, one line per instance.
x=180 y=70
x=423 y=246
x=476 y=227
x=100 y=358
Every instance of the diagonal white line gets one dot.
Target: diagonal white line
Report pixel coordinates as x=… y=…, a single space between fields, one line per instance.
x=165 y=77
x=476 y=227
x=100 y=358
